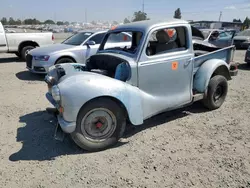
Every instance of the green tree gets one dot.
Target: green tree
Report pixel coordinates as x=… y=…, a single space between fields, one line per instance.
x=31 y=21
x=12 y=21
x=246 y=23
x=59 y=23
x=66 y=23
x=49 y=22
x=18 y=22
x=126 y=20
x=4 y=21
x=139 y=16
x=237 y=21
x=177 y=13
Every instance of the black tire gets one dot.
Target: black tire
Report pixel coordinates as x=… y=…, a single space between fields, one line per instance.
x=25 y=50
x=64 y=60
x=18 y=54
x=81 y=135
x=217 y=92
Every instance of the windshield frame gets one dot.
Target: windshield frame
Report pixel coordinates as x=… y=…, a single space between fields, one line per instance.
x=133 y=55
x=92 y=34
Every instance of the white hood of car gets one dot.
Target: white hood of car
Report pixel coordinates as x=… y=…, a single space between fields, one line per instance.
x=50 y=49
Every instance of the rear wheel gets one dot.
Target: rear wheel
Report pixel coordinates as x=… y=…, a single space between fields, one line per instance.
x=217 y=92
x=100 y=124
x=25 y=51
x=65 y=60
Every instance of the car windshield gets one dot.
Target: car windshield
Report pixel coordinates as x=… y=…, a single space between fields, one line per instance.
x=78 y=38
x=122 y=41
x=206 y=33
x=244 y=33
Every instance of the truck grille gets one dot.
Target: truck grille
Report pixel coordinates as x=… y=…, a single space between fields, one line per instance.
x=29 y=60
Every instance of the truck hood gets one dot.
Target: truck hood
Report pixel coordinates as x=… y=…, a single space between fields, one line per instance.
x=53 y=48
x=62 y=72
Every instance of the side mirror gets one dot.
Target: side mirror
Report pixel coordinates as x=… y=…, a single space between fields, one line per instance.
x=90 y=43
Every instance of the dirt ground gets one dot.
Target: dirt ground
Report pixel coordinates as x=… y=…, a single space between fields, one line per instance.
x=189 y=147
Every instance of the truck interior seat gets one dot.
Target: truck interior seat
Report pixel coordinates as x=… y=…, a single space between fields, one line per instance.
x=122 y=72
x=164 y=43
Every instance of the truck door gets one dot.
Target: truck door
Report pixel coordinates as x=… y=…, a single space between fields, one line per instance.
x=3 y=42
x=165 y=68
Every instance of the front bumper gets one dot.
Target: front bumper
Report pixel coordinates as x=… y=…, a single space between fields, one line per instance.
x=38 y=67
x=67 y=127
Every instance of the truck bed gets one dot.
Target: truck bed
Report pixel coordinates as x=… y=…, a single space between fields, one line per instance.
x=14 y=39
x=225 y=54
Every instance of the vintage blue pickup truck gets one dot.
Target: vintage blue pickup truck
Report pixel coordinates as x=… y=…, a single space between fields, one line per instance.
x=160 y=70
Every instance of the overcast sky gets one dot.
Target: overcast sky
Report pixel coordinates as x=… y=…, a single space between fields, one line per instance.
x=110 y=10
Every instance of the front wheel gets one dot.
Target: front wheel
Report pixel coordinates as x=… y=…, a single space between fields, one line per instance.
x=217 y=92
x=64 y=60
x=100 y=124
x=25 y=51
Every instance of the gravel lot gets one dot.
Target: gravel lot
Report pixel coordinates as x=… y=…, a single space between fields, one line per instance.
x=185 y=148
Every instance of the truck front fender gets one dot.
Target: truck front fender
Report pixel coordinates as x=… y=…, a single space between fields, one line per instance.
x=79 y=89
x=207 y=70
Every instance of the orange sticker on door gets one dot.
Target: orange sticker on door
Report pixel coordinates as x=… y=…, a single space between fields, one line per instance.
x=174 y=65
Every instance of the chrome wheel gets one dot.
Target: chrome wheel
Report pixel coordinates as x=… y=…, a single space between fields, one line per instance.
x=98 y=124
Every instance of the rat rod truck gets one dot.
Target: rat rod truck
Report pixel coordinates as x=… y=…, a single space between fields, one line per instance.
x=161 y=69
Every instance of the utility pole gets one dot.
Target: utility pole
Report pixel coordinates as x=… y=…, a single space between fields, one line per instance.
x=86 y=16
x=220 y=16
x=143 y=6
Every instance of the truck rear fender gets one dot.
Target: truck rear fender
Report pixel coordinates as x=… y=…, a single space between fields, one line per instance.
x=207 y=70
x=27 y=43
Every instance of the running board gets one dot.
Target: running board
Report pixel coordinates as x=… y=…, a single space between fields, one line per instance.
x=198 y=97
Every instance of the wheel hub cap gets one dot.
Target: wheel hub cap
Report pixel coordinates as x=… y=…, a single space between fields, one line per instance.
x=98 y=124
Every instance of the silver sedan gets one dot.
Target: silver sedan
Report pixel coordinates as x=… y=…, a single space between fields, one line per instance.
x=76 y=48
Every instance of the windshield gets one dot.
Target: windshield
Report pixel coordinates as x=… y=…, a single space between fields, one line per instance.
x=78 y=38
x=122 y=41
x=244 y=33
x=206 y=33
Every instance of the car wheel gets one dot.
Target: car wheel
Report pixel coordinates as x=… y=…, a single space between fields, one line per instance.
x=18 y=54
x=25 y=51
x=100 y=124
x=217 y=92
x=65 y=60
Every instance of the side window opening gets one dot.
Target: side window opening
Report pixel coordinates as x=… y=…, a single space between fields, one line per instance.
x=98 y=38
x=167 y=40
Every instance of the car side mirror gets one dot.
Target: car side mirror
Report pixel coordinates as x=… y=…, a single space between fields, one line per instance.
x=90 y=43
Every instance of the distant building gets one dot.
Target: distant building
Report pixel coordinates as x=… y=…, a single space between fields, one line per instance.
x=217 y=25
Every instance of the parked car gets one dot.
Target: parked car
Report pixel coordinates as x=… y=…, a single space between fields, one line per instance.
x=159 y=71
x=242 y=39
x=247 y=57
x=219 y=38
x=21 y=43
x=76 y=48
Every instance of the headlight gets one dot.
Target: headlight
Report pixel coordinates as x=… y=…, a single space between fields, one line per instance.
x=55 y=91
x=41 y=58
